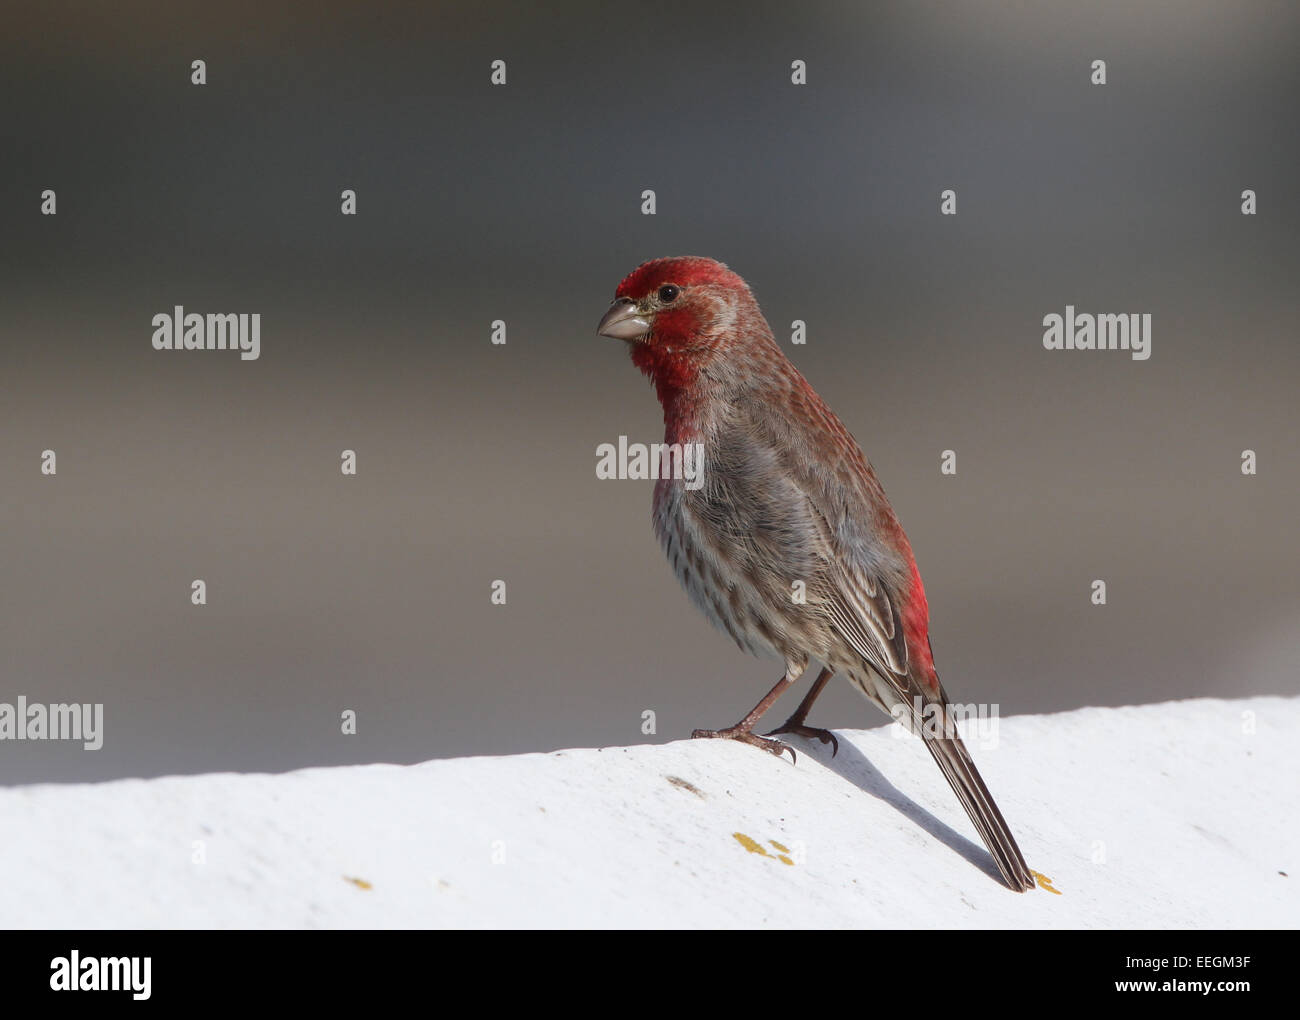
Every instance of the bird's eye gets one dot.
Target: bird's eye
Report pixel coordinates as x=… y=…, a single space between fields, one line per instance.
x=668 y=293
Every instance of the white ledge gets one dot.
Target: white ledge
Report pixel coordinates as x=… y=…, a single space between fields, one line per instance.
x=1174 y=815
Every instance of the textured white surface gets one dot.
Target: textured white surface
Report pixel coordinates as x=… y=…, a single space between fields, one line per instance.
x=1194 y=816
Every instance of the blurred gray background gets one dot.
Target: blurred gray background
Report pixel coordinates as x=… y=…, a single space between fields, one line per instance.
x=477 y=462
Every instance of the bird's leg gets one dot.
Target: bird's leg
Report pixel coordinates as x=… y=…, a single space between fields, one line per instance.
x=744 y=730
x=795 y=724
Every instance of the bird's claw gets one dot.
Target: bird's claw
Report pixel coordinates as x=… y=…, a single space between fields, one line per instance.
x=800 y=730
x=775 y=747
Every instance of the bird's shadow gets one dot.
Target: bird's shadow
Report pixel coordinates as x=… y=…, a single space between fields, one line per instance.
x=852 y=765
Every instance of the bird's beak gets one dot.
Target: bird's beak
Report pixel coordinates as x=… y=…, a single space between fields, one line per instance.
x=622 y=322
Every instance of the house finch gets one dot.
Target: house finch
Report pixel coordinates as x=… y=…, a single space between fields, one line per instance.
x=787 y=497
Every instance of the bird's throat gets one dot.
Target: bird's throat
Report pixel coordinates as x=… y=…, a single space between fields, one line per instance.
x=675 y=374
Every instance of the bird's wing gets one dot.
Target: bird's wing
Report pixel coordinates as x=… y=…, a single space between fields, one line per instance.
x=857 y=598
x=864 y=614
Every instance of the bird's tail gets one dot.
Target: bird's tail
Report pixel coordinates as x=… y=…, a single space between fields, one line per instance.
x=965 y=780
x=913 y=704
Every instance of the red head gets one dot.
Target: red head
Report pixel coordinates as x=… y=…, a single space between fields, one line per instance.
x=680 y=271
x=679 y=314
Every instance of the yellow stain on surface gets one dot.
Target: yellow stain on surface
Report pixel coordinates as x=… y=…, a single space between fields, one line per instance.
x=754 y=847
x=749 y=844
x=1045 y=883
x=360 y=883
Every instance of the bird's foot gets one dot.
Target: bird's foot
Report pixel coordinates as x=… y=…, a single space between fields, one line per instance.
x=795 y=726
x=775 y=747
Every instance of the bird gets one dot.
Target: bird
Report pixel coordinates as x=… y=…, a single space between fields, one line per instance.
x=789 y=545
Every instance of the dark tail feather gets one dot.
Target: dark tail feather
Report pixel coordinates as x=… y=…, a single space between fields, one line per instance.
x=962 y=776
